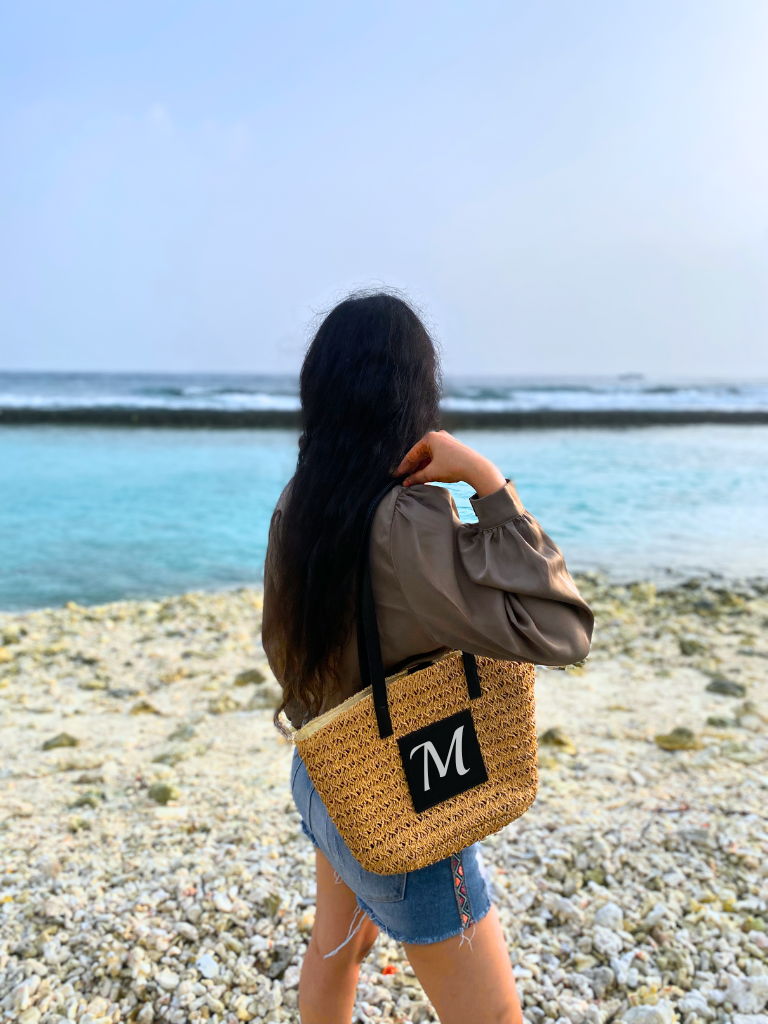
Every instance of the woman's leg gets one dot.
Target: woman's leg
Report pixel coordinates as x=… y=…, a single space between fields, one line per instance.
x=470 y=980
x=328 y=983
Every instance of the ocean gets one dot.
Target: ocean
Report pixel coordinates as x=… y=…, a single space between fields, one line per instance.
x=94 y=514
x=256 y=392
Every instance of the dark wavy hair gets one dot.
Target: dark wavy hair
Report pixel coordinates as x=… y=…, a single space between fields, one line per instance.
x=370 y=389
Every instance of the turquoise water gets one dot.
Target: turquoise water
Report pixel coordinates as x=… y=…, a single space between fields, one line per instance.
x=93 y=515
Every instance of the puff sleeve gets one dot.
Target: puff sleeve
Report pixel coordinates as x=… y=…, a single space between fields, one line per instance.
x=497 y=588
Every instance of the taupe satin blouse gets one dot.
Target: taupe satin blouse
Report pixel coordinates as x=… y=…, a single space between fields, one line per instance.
x=498 y=587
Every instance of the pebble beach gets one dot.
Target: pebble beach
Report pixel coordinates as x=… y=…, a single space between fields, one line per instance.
x=152 y=867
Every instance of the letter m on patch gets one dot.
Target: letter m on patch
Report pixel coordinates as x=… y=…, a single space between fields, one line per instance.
x=429 y=748
x=442 y=760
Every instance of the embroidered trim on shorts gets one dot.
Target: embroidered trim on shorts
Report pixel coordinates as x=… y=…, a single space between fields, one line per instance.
x=460 y=890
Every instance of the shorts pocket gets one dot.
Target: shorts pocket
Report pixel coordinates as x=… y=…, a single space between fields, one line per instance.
x=368 y=886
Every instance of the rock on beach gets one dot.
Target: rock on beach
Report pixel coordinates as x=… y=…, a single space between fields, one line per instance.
x=634 y=890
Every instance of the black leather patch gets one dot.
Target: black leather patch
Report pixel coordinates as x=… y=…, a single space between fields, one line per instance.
x=442 y=760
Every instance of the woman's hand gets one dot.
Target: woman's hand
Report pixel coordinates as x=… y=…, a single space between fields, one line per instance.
x=440 y=457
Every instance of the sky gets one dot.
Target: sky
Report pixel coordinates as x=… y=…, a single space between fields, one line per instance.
x=565 y=188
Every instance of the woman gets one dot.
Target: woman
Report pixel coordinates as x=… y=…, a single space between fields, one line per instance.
x=370 y=389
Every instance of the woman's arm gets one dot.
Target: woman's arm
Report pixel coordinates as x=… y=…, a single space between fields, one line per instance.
x=498 y=587
x=439 y=457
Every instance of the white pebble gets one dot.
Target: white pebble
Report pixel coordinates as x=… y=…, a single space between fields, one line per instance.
x=167 y=979
x=610 y=916
x=222 y=902
x=207 y=966
x=661 y=1013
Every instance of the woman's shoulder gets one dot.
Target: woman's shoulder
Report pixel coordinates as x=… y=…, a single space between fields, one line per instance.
x=423 y=503
x=275 y=525
x=282 y=501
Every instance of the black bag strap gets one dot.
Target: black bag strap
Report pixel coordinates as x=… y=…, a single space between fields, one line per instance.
x=368 y=643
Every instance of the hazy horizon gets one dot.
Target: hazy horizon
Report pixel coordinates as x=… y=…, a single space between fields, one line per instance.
x=569 y=192
x=626 y=377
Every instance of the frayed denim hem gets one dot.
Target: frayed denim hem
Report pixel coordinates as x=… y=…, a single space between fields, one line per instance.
x=422 y=942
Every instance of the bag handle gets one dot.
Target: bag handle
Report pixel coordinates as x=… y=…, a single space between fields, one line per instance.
x=368 y=643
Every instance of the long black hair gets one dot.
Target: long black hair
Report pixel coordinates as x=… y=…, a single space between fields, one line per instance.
x=370 y=389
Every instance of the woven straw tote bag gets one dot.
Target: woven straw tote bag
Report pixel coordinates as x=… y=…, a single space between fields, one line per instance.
x=421 y=765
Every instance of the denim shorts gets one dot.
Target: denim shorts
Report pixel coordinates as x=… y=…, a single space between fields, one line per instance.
x=427 y=905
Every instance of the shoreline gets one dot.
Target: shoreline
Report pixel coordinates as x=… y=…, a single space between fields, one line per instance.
x=663 y=581
x=119 y=416
x=152 y=866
